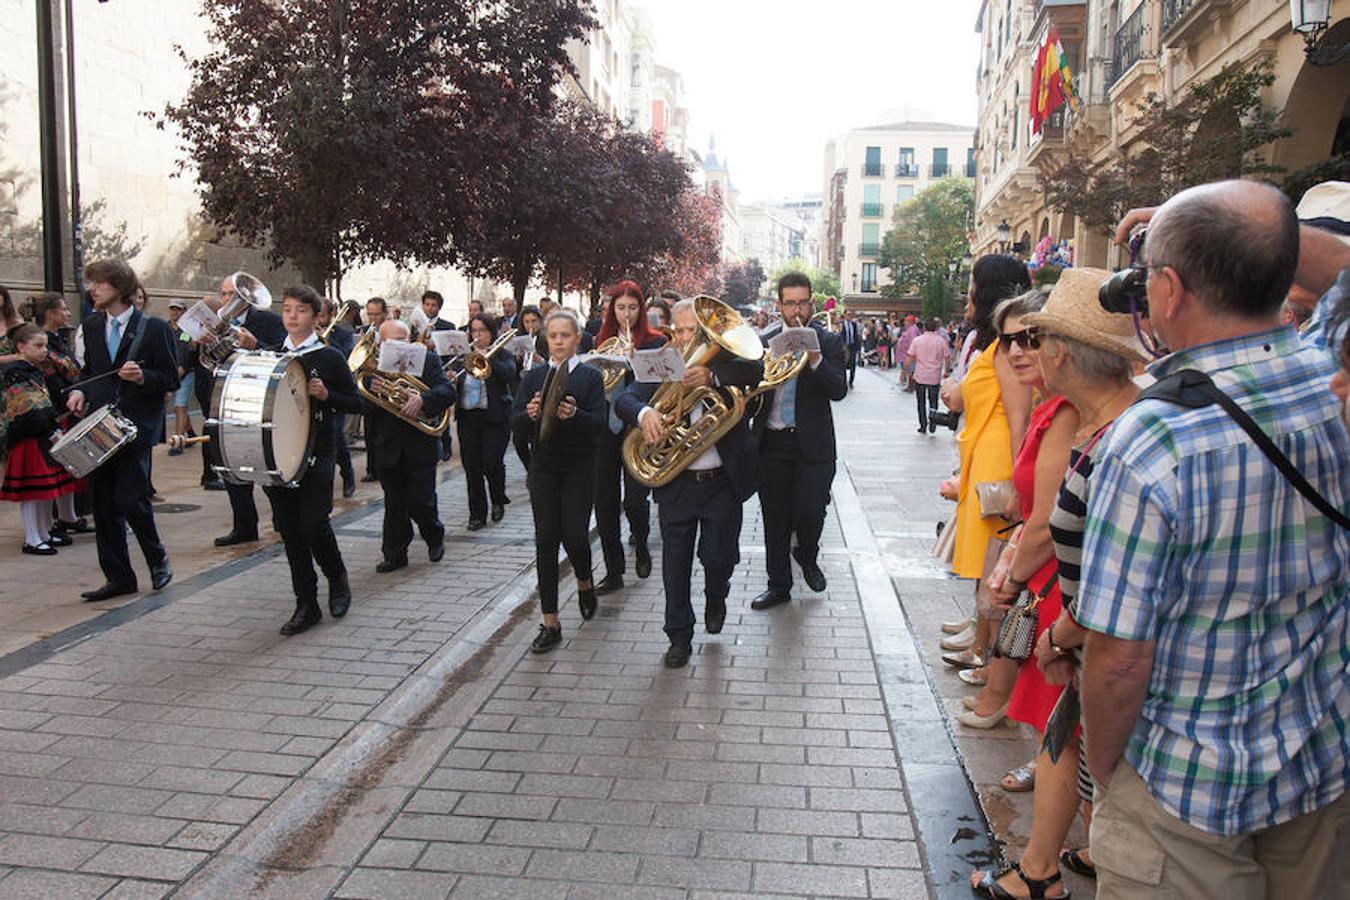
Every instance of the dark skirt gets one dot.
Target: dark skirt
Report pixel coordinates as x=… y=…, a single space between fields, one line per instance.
x=30 y=475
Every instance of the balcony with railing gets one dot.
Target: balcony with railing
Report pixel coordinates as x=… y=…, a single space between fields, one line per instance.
x=869 y=249
x=970 y=169
x=907 y=170
x=873 y=170
x=939 y=170
x=871 y=210
x=1128 y=44
x=1173 y=11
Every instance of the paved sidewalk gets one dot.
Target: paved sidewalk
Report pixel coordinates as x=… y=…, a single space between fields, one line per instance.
x=416 y=749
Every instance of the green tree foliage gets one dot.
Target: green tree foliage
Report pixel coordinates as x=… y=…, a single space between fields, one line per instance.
x=1216 y=130
x=937 y=298
x=929 y=232
x=742 y=282
x=824 y=283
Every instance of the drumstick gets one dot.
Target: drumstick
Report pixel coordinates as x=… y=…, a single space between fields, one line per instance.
x=179 y=441
x=80 y=384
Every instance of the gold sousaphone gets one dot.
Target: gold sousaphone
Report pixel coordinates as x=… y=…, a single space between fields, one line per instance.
x=724 y=332
x=396 y=388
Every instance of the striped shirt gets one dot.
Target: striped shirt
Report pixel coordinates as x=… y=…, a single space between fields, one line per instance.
x=1196 y=542
x=1067 y=522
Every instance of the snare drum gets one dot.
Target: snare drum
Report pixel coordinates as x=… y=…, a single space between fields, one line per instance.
x=260 y=424
x=93 y=440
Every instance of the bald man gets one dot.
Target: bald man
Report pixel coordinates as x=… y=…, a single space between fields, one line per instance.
x=406 y=460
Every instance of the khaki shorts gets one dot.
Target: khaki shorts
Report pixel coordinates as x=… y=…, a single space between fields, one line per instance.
x=1140 y=850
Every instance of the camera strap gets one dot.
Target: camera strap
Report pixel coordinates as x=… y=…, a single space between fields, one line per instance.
x=1194 y=389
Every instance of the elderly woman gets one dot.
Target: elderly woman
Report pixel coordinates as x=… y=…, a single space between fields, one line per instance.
x=1089 y=357
x=996 y=407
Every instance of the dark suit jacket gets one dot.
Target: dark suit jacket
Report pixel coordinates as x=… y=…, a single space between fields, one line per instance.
x=443 y=325
x=267 y=327
x=342 y=338
x=397 y=442
x=498 y=387
x=856 y=344
x=573 y=442
x=329 y=366
x=815 y=389
x=155 y=353
x=740 y=456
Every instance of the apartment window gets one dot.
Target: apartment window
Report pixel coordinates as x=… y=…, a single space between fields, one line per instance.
x=871 y=239
x=872 y=163
x=871 y=200
x=904 y=192
x=869 y=277
x=940 y=167
x=970 y=162
x=907 y=168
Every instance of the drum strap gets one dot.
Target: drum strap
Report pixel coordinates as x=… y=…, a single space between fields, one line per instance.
x=135 y=349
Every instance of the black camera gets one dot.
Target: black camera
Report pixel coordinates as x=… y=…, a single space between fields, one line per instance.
x=1125 y=292
x=948 y=418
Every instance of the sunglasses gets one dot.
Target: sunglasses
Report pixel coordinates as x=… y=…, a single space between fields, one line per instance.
x=1027 y=339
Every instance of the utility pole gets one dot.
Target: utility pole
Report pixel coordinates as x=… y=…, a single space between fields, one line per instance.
x=76 y=225
x=51 y=183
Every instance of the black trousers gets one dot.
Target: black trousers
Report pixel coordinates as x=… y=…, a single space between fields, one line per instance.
x=369 y=422
x=702 y=514
x=300 y=516
x=926 y=396
x=409 y=496
x=446 y=446
x=120 y=491
x=853 y=364
x=482 y=452
x=793 y=494
x=242 y=508
x=560 y=496
x=202 y=388
x=610 y=474
x=344 y=452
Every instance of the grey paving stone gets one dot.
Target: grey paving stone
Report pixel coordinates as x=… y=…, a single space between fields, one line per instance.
x=378 y=884
x=503 y=806
x=125 y=828
x=752 y=846
x=476 y=859
x=901 y=884
x=591 y=865
x=865 y=852
x=887 y=825
x=203 y=836
x=433 y=801
x=45 y=851
x=605 y=812
x=859 y=799
x=473 y=780
x=483 y=887
x=760 y=795
x=117 y=799
x=131 y=889
x=36 y=884
x=155 y=863
x=630 y=892
x=809 y=822
x=835 y=881
x=688 y=815
x=592 y=786
x=556 y=835
x=712 y=874
x=647 y=841
x=389 y=853
x=420 y=826
x=34 y=819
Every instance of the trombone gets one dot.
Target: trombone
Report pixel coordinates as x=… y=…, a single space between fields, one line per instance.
x=477 y=363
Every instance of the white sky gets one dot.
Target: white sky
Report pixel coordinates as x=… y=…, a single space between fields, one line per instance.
x=749 y=66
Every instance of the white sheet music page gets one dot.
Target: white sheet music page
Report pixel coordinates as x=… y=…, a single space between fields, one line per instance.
x=198 y=320
x=790 y=340
x=403 y=357
x=654 y=366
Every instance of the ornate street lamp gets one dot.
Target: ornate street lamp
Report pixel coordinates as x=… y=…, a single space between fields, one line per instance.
x=1004 y=236
x=1310 y=18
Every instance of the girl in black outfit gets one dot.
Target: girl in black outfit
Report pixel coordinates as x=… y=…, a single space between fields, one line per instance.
x=626 y=319
x=483 y=419
x=562 y=473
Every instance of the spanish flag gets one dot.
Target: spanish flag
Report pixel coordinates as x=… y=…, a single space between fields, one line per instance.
x=1051 y=81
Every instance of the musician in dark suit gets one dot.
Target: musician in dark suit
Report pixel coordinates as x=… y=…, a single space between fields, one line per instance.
x=377 y=311
x=140 y=350
x=794 y=430
x=531 y=325
x=483 y=417
x=432 y=303
x=259 y=329
x=508 y=318
x=341 y=338
x=707 y=496
x=300 y=513
x=850 y=332
x=562 y=471
x=407 y=460
x=626 y=319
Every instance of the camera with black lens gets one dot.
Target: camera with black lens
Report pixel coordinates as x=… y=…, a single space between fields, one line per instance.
x=1127 y=290
x=947 y=418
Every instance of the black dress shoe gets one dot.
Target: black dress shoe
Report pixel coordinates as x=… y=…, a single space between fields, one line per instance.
x=79 y=526
x=108 y=591
x=815 y=579
x=339 y=596
x=306 y=617
x=677 y=656
x=161 y=575
x=476 y=524
x=714 y=617
x=643 y=560
x=234 y=537
x=497 y=512
x=390 y=565
x=43 y=549
x=608 y=585
x=349 y=487
x=436 y=551
x=213 y=484
x=770 y=598
x=546 y=639
x=369 y=477
x=57 y=539
x=586 y=602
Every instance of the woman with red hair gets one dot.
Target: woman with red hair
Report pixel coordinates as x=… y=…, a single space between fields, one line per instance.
x=625 y=319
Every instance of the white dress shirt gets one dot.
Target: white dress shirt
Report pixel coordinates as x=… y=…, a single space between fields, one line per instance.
x=311 y=341
x=121 y=318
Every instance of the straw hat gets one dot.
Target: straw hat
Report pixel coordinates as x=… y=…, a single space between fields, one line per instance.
x=1072 y=310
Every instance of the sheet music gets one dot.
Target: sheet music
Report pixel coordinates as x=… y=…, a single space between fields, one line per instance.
x=654 y=366
x=200 y=319
x=450 y=343
x=521 y=344
x=790 y=340
x=402 y=356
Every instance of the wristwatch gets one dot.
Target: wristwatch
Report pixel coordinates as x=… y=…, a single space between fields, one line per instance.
x=1055 y=648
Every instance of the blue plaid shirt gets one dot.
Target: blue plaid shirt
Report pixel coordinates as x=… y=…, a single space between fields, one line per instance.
x=1315 y=332
x=1196 y=541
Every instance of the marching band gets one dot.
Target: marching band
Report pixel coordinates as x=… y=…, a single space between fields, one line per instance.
x=722 y=416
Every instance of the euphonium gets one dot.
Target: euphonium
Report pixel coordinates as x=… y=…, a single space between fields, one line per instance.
x=612 y=372
x=248 y=291
x=724 y=331
x=396 y=388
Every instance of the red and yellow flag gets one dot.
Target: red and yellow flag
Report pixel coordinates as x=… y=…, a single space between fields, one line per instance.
x=1051 y=81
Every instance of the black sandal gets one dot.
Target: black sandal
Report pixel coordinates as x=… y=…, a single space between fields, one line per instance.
x=989 y=886
x=1074 y=862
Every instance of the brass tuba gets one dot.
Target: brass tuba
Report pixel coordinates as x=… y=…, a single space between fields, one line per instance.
x=724 y=331
x=396 y=389
x=248 y=292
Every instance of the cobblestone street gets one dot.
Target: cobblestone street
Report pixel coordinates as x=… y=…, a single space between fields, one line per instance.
x=415 y=749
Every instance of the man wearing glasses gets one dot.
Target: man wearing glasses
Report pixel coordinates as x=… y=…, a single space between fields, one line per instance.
x=794 y=431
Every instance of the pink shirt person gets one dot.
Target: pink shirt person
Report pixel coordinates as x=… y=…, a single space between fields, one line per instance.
x=930 y=354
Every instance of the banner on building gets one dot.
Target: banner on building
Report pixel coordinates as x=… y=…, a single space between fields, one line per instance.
x=1051 y=81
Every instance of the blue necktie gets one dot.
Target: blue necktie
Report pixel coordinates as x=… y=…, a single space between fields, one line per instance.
x=472 y=386
x=789 y=405
x=615 y=423
x=114 y=339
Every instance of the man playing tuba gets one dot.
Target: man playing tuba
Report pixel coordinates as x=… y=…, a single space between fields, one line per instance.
x=707 y=494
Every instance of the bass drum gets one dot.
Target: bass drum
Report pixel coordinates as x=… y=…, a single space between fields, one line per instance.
x=261 y=427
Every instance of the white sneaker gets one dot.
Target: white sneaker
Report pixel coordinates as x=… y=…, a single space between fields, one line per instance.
x=960 y=641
